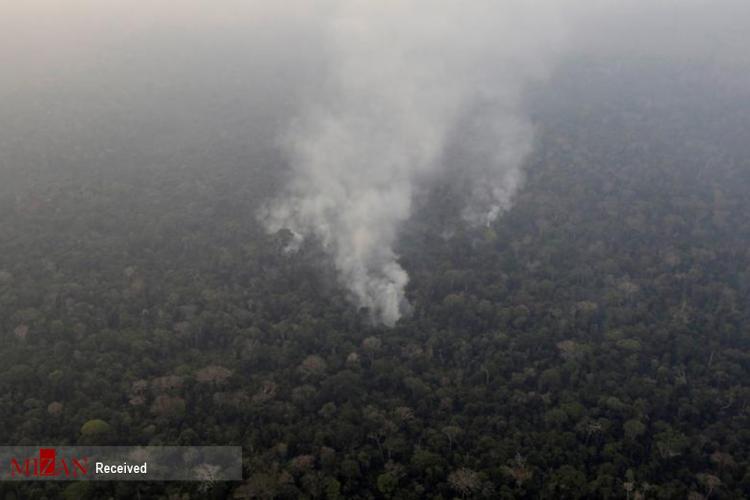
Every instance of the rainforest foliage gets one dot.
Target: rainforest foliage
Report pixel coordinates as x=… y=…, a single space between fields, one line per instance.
x=594 y=342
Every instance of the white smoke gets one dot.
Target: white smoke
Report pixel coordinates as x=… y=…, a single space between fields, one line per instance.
x=405 y=79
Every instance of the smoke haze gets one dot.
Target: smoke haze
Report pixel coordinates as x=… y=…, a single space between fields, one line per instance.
x=369 y=101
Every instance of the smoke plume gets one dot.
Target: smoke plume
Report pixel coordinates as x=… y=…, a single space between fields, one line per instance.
x=405 y=80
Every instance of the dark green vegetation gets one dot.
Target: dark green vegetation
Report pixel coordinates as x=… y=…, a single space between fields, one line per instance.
x=595 y=342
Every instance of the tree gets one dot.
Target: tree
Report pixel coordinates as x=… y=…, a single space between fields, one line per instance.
x=464 y=481
x=95 y=431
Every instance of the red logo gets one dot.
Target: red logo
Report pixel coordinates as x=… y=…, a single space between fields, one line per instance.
x=48 y=464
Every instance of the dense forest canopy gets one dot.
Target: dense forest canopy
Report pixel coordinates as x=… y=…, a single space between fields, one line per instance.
x=591 y=342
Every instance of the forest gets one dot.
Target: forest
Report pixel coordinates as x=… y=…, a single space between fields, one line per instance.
x=593 y=342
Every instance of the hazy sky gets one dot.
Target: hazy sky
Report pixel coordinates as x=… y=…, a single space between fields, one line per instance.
x=80 y=59
x=143 y=46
